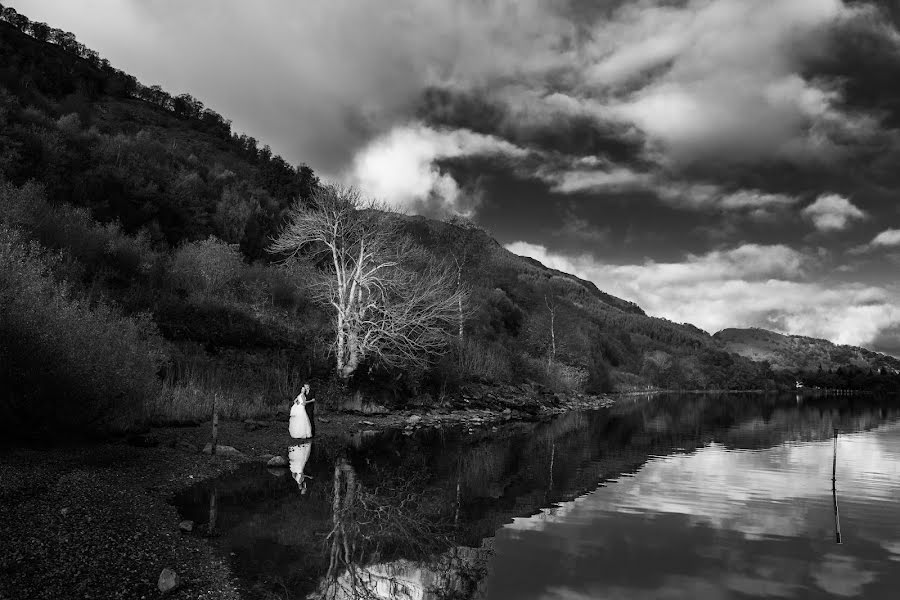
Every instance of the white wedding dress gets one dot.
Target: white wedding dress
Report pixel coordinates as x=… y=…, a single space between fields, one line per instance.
x=299 y=426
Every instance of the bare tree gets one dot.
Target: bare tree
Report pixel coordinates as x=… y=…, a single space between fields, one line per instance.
x=466 y=247
x=385 y=310
x=551 y=355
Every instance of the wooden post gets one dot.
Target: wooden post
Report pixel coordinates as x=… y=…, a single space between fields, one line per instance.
x=213 y=510
x=834 y=458
x=215 y=423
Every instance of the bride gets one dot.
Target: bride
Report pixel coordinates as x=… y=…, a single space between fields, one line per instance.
x=300 y=427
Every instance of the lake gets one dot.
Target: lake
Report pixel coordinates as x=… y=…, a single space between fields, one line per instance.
x=669 y=496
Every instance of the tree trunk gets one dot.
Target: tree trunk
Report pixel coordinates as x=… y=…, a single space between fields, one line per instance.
x=459 y=301
x=341 y=344
x=349 y=365
x=552 y=354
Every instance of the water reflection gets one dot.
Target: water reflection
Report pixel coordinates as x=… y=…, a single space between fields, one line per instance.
x=717 y=523
x=691 y=496
x=297 y=457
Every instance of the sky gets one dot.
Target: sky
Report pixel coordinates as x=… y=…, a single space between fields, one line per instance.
x=728 y=163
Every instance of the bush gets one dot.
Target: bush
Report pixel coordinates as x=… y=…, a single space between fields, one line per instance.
x=560 y=377
x=64 y=227
x=243 y=386
x=66 y=365
x=204 y=268
x=483 y=361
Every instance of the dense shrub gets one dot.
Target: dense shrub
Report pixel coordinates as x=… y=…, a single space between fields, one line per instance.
x=206 y=267
x=243 y=386
x=96 y=247
x=65 y=364
x=483 y=361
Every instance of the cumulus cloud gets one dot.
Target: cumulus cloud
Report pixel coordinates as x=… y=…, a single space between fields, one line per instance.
x=832 y=212
x=401 y=167
x=888 y=237
x=750 y=285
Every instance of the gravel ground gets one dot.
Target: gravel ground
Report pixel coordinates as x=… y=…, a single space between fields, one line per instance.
x=93 y=521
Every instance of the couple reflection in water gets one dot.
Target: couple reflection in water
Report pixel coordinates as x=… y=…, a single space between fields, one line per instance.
x=301 y=429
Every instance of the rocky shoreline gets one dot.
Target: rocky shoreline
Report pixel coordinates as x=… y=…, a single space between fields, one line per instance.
x=94 y=521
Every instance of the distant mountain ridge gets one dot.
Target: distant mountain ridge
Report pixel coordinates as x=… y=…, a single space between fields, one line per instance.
x=800 y=353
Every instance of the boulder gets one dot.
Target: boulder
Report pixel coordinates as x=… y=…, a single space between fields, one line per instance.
x=413 y=419
x=168 y=581
x=278 y=461
x=222 y=450
x=186 y=526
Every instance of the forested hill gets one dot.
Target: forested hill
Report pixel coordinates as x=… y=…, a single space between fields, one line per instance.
x=133 y=270
x=797 y=353
x=152 y=161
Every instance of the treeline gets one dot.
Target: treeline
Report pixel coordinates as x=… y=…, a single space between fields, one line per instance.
x=118 y=83
x=882 y=381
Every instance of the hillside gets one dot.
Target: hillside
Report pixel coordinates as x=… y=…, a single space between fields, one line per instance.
x=797 y=353
x=135 y=220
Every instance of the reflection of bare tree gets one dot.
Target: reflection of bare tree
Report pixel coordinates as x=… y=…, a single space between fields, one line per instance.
x=344 y=532
x=372 y=528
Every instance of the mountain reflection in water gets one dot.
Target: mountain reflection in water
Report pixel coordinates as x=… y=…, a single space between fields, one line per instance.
x=676 y=496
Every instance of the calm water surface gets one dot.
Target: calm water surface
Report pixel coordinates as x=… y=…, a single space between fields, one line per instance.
x=699 y=497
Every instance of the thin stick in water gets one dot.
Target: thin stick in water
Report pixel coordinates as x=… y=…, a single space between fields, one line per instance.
x=837 y=513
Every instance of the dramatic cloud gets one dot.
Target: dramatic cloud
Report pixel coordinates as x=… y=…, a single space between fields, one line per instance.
x=731 y=86
x=321 y=79
x=746 y=286
x=832 y=213
x=703 y=79
x=691 y=196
